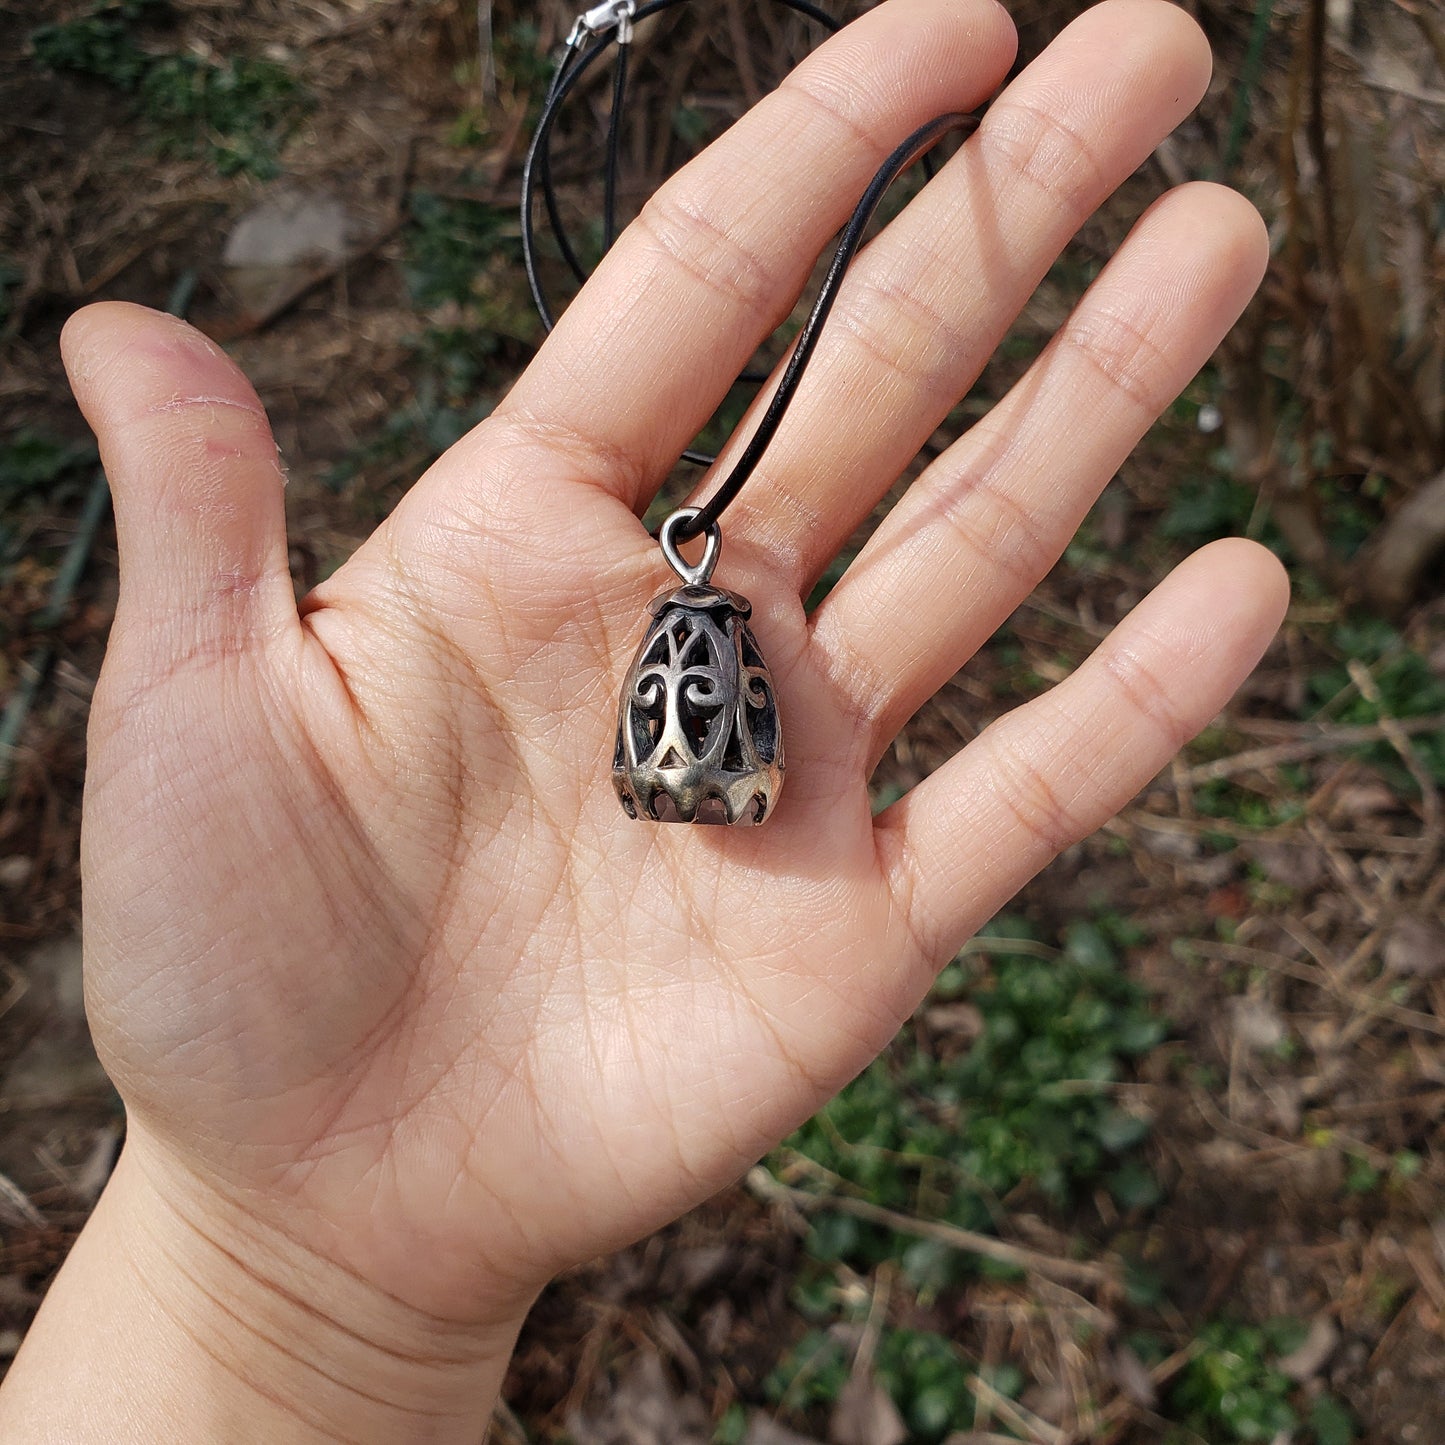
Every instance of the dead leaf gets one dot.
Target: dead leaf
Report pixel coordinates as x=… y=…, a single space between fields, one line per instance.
x=963 y=1020
x=686 y=1271
x=644 y=1409
x=1290 y=864
x=865 y=1415
x=1354 y=802
x=1229 y=902
x=1415 y=947
x=1257 y=1024
x=1133 y=1378
x=1309 y=1358
x=54 y=970
x=763 y=1431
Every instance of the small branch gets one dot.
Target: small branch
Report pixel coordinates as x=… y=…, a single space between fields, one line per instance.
x=1014 y=1415
x=1332 y=740
x=1403 y=549
x=1398 y=739
x=1357 y=998
x=771 y=1190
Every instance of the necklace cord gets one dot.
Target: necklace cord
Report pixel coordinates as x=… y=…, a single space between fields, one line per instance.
x=537 y=172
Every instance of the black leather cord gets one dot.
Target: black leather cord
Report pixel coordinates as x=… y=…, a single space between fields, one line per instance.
x=576 y=61
x=537 y=170
x=614 y=145
x=543 y=173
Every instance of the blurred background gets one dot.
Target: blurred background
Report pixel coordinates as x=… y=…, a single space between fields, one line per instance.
x=1161 y=1158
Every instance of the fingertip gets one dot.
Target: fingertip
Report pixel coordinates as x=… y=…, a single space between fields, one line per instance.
x=1177 y=47
x=1214 y=231
x=1222 y=606
x=993 y=18
x=108 y=325
x=1236 y=219
x=130 y=365
x=1257 y=577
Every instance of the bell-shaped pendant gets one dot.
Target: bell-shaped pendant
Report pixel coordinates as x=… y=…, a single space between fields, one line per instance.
x=698 y=737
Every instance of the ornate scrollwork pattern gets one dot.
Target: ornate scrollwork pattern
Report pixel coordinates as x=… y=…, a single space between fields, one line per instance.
x=698 y=737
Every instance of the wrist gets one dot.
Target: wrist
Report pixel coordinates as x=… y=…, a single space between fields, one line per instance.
x=218 y=1326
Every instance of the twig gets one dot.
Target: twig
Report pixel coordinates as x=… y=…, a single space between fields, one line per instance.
x=1312 y=974
x=1014 y=1415
x=1410 y=92
x=1248 y=81
x=1227 y=828
x=1122 y=1409
x=1430 y=831
x=504 y=1416
x=742 y=52
x=15 y=1202
x=1333 y=740
x=766 y=1187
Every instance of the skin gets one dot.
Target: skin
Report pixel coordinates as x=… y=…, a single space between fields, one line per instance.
x=405 y=1014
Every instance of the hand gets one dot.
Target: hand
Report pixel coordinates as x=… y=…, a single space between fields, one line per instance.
x=383 y=974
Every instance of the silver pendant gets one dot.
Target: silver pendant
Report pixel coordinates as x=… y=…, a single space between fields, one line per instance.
x=698 y=737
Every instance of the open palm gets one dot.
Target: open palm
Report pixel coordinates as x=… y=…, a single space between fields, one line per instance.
x=370 y=942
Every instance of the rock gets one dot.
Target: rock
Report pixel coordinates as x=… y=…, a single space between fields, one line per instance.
x=290 y=227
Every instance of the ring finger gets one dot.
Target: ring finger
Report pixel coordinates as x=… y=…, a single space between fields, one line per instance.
x=981 y=527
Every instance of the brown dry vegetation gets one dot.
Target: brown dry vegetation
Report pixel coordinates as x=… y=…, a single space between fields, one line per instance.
x=1278 y=892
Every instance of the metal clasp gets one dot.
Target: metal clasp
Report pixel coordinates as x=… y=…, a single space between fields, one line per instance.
x=600 y=19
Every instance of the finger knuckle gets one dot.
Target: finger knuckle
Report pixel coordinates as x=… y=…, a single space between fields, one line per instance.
x=1123 y=353
x=898 y=330
x=689 y=236
x=1029 y=796
x=1043 y=151
x=1147 y=694
x=992 y=526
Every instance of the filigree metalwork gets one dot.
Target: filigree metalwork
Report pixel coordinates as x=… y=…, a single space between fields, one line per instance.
x=698 y=738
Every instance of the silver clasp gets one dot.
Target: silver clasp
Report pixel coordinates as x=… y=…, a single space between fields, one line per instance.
x=600 y=19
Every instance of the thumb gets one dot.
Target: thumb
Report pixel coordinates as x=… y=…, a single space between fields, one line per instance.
x=199 y=514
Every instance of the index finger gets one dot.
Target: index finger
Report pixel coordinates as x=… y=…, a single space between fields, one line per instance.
x=718 y=256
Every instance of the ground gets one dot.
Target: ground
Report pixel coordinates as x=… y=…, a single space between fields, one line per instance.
x=1162 y=1159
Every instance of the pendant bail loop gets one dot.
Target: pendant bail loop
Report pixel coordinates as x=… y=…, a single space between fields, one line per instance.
x=700 y=575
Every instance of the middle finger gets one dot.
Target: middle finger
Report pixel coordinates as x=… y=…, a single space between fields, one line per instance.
x=927 y=303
